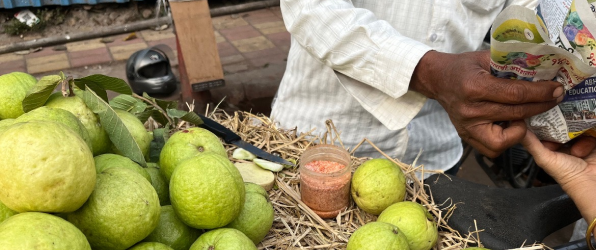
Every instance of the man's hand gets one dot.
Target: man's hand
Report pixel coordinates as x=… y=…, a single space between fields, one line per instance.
x=475 y=100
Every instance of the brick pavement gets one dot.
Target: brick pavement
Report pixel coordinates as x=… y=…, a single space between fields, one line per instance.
x=245 y=41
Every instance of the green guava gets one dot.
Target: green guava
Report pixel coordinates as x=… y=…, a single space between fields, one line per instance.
x=207 y=191
x=4 y=124
x=377 y=184
x=122 y=210
x=106 y=161
x=378 y=235
x=14 y=88
x=76 y=106
x=414 y=221
x=46 y=167
x=5 y=212
x=223 y=239
x=150 y=246
x=57 y=115
x=33 y=230
x=256 y=217
x=136 y=129
x=172 y=232
x=185 y=144
x=160 y=184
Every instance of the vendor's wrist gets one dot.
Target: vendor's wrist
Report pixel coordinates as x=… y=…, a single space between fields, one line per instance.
x=423 y=79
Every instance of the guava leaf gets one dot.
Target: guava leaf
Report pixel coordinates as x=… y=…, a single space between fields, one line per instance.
x=128 y=103
x=185 y=116
x=99 y=91
x=107 y=83
x=40 y=92
x=160 y=136
x=113 y=125
x=144 y=116
x=165 y=105
x=159 y=117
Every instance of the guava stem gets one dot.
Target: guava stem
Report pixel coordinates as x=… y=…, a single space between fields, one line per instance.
x=70 y=83
x=155 y=106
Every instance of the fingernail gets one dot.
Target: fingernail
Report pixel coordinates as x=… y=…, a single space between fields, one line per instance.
x=558 y=92
x=560 y=99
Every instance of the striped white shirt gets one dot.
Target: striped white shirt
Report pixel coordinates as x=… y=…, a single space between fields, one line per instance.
x=351 y=62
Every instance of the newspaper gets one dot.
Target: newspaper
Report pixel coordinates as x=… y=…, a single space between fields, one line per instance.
x=553 y=42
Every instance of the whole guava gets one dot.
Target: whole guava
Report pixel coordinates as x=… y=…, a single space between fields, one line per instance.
x=106 y=161
x=415 y=222
x=122 y=210
x=76 y=106
x=207 y=191
x=160 y=184
x=33 y=230
x=14 y=87
x=136 y=129
x=172 y=232
x=186 y=144
x=223 y=239
x=46 y=167
x=5 y=212
x=378 y=235
x=377 y=184
x=256 y=217
x=4 y=124
x=150 y=246
x=60 y=116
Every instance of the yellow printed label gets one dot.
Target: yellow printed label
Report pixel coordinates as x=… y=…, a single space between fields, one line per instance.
x=576 y=134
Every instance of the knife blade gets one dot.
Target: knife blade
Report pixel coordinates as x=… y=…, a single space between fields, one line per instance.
x=232 y=138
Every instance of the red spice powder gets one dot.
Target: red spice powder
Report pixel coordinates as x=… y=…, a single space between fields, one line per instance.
x=324 y=166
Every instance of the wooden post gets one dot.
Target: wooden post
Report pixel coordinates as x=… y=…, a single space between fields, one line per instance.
x=199 y=64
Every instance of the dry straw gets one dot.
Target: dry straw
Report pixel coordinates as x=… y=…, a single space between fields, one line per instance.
x=295 y=225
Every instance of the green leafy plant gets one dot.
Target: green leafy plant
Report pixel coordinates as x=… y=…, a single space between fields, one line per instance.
x=93 y=91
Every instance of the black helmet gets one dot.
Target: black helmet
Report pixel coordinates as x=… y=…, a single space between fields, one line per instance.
x=149 y=71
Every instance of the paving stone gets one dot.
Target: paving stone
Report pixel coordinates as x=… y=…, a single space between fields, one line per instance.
x=234 y=68
x=12 y=66
x=271 y=27
x=123 y=52
x=218 y=37
x=10 y=57
x=227 y=22
x=282 y=40
x=153 y=35
x=47 y=63
x=119 y=40
x=89 y=57
x=253 y=44
x=44 y=52
x=239 y=33
x=85 y=45
x=226 y=49
x=271 y=59
x=232 y=59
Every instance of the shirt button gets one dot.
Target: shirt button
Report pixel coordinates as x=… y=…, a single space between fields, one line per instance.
x=433 y=37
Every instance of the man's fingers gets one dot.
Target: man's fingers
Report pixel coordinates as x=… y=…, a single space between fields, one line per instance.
x=504 y=112
x=495 y=139
x=509 y=91
x=583 y=146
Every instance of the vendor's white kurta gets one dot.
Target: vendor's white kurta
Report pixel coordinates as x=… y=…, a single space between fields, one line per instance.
x=351 y=61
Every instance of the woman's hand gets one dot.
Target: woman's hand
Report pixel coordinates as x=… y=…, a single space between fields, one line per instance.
x=577 y=176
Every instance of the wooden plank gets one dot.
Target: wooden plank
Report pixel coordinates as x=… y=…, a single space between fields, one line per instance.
x=194 y=30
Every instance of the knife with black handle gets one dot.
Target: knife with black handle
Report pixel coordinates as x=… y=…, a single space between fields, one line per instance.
x=232 y=138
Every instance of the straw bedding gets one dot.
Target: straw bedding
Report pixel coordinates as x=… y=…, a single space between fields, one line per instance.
x=295 y=225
